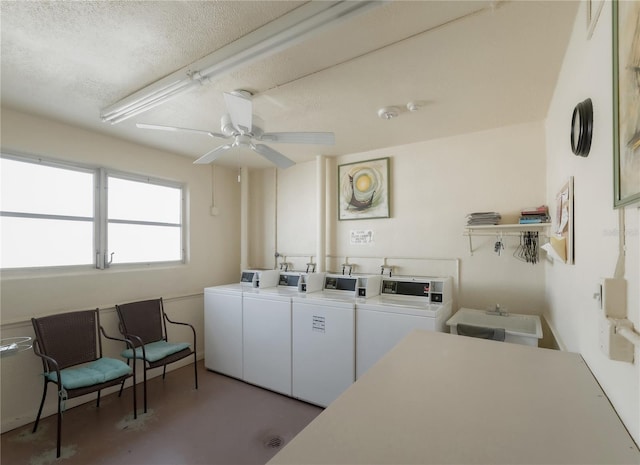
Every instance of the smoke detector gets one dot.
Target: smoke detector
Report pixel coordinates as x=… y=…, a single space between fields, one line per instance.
x=388 y=112
x=413 y=106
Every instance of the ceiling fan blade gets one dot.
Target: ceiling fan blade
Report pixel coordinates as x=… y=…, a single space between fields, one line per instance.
x=240 y=110
x=212 y=155
x=273 y=156
x=319 y=138
x=177 y=129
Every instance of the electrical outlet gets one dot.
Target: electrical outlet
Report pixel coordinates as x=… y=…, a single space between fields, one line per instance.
x=613 y=345
x=613 y=292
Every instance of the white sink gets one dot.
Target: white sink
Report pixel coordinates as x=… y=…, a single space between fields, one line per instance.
x=519 y=329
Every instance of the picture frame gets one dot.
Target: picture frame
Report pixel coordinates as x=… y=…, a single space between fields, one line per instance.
x=363 y=190
x=562 y=240
x=626 y=102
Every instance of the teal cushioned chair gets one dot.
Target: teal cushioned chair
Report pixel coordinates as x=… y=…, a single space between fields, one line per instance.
x=70 y=346
x=145 y=324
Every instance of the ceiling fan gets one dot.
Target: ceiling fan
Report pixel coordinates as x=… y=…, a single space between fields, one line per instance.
x=239 y=126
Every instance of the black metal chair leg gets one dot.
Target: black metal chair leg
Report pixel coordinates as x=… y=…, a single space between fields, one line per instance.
x=44 y=396
x=98 y=401
x=164 y=371
x=59 y=426
x=135 y=405
x=195 y=367
x=144 y=384
x=122 y=384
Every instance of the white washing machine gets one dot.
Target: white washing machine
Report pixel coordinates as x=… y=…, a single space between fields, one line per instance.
x=223 y=345
x=267 y=334
x=404 y=304
x=324 y=336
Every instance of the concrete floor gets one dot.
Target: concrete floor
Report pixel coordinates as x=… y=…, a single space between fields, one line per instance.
x=224 y=421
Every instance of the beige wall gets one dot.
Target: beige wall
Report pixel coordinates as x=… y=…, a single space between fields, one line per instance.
x=213 y=252
x=434 y=185
x=587 y=72
x=262 y=211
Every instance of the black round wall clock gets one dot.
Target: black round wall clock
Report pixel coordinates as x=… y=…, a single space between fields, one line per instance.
x=582 y=128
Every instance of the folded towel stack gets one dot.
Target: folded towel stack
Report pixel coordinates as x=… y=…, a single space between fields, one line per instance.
x=483 y=218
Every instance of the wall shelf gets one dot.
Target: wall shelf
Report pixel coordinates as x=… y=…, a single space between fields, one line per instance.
x=501 y=230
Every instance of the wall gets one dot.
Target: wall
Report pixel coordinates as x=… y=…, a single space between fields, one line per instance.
x=587 y=72
x=213 y=252
x=434 y=185
x=262 y=211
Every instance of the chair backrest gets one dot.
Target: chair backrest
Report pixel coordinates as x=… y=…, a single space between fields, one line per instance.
x=143 y=319
x=69 y=338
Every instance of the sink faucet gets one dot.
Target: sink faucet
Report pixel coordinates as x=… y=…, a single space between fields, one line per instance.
x=497 y=311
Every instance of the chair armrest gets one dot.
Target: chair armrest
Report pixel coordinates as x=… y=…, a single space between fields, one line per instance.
x=193 y=330
x=136 y=339
x=127 y=341
x=49 y=362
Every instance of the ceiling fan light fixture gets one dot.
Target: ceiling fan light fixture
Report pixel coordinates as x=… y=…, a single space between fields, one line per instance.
x=388 y=112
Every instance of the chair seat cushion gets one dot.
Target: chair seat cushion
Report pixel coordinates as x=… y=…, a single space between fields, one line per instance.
x=99 y=371
x=157 y=350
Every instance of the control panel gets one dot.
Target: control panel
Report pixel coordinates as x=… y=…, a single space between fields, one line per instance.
x=434 y=290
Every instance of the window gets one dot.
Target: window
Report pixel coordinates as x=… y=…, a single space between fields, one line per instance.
x=50 y=215
x=37 y=198
x=143 y=221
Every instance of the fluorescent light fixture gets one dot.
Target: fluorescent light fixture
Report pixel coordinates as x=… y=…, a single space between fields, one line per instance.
x=269 y=39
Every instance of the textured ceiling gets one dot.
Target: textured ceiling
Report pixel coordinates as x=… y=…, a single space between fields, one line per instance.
x=473 y=65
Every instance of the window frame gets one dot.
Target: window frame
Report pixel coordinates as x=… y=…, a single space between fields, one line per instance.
x=103 y=259
x=100 y=218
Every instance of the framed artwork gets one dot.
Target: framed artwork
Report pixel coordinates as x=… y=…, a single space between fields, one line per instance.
x=626 y=103
x=562 y=240
x=363 y=190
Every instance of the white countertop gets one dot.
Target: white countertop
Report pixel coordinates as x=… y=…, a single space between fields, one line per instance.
x=438 y=398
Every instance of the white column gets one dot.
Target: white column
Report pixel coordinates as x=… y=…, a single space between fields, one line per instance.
x=244 y=218
x=321 y=208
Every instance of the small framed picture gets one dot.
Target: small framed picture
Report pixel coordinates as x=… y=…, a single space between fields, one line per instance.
x=363 y=190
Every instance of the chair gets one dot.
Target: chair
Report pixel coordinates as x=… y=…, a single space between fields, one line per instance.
x=70 y=347
x=145 y=324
